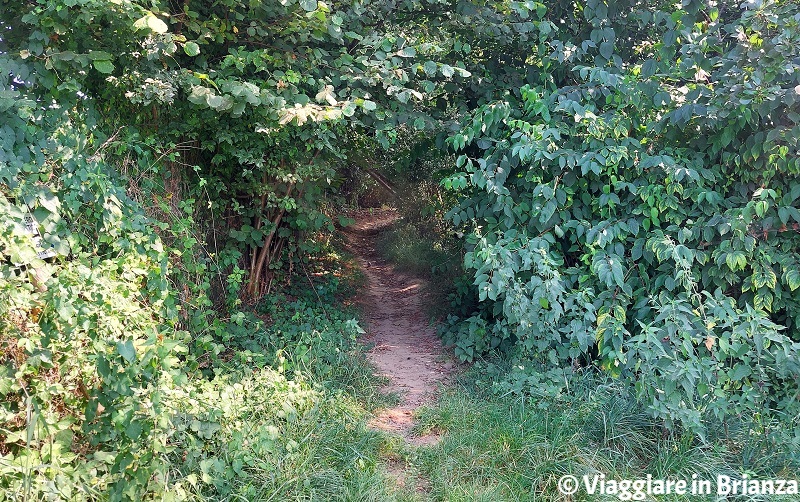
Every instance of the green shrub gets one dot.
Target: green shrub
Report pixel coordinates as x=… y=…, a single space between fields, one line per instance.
x=261 y=436
x=636 y=209
x=84 y=345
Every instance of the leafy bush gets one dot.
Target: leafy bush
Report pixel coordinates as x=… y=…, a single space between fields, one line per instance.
x=259 y=436
x=634 y=205
x=300 y=335
x=84 y=350
x=97 y=403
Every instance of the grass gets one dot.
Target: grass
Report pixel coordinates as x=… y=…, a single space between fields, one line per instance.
x=509 y=448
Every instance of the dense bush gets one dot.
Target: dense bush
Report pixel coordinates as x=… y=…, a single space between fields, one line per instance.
x=84 y=345
x=98 y=400
x=635 y=205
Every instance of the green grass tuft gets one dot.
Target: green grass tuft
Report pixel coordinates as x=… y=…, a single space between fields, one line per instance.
x=509 y=448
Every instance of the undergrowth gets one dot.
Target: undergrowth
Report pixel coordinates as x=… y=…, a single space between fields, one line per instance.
x=99 y=402
x=406 y=247
x=509 y=447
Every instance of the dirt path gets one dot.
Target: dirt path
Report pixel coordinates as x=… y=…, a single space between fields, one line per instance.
x=406 y=348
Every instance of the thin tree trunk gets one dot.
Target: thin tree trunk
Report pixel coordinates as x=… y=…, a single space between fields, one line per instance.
x=259 y=219
x=255 y=273
x=263 y=256
x=381 y=181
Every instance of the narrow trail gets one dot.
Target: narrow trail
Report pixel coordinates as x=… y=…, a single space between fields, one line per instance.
x=405 y=346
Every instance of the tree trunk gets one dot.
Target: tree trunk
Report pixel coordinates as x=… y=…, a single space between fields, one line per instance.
x=254 y=281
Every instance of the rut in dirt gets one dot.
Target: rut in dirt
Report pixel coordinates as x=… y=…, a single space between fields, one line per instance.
x=405 y=346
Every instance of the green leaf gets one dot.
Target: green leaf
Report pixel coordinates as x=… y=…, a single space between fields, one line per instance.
x=430 y=68
x=669 y=38
x=103 y=66
x=369 y=105
x=95 y=55
x=308 y=5
x=736 y=260
x=151 y=22
x=199 y=95
x=649 y=68
x=792 y=278
x=214 y=101
x=191 y=49
x=761 y=208
x=349 y=109
x=607 y=49
x=133 y=430
x=127 y=350
x=740 y=371
x=50 y=202
x=783 y=215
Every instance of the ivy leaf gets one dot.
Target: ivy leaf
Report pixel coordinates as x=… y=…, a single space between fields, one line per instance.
x=191 y=49
x=103 y=66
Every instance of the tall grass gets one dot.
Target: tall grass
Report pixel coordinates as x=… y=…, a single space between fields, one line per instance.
x=510 y=448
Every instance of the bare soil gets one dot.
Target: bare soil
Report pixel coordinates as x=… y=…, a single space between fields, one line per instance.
x=404 y=344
